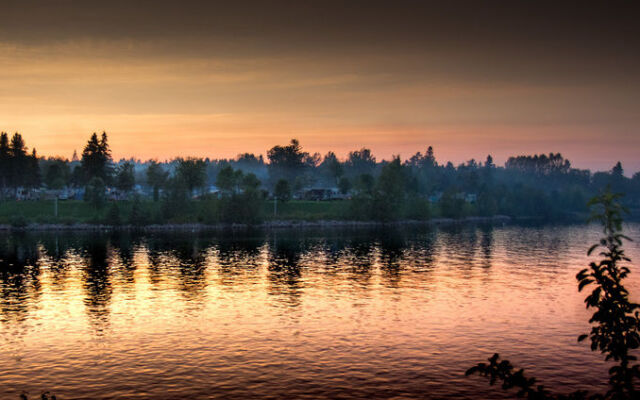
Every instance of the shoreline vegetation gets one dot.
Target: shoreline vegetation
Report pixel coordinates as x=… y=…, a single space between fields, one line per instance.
x=288 y=187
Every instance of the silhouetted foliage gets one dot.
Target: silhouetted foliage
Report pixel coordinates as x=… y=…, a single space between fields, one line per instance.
x=540 y=164
x=17 y=167
x=391 y=190
x=57 y=173
x=192 y=172
x=95 y=192
x=156 y=178
x=360 y=162
x=96 y=159
x=176 y=199
x=5 y=161
x=250 y=182
x=344 y=184
x=290 y=162
x=616 y=320
x=534 y=186
x=282 y=191
x=331 y=169
x=138 y=215
x=125 y=179
x=229 y=179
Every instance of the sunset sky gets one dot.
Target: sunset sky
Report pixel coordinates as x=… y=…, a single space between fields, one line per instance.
x=172 y=78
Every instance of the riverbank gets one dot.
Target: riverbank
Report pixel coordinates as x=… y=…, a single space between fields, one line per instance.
x=45 y=215
x=277 y=224
x=208 y=212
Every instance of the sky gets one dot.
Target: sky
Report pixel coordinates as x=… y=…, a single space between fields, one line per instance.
x=215 y=79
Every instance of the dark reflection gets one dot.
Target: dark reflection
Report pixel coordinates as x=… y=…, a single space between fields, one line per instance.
x=361 y=257
x=295 y=261
x=392 y=244
x=121 y=258
x=97 y=281
x=180 y=259
x=460 y=244
x=54 y=252
x=542 y=249
x=54 y=246
x=239 y=260
x=191 y=267
x=124 y=244
x=422 y=251
x=348 y=256
x=19 y=277
x=486 y=244
x=238 y=309
x=284 y=268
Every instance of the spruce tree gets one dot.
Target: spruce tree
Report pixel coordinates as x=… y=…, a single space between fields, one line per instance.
x=96 y=159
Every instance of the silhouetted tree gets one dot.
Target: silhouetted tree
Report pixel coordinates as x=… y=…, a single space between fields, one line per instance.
x=344 y=185
x=489 y=162
x=229 y=180
x=282 y=191
x=365 y=184
x=331 y=167
x=57 y=174
x=250 y=182
x=5 y=162
x=391 y=189
x=77 y=176
x=125 y=178
x=32 y=178
x=244 y=207
x=19 y=162
x=138 y=216
x=176 y=199
x=193 y=172
x=156 y=178
x=289 y=162
x=617 y=169
x=360 y=162
x=96 y=159
x=95 y=192
x=539 y=164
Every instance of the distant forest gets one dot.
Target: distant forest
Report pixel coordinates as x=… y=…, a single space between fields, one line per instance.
x=420 y=187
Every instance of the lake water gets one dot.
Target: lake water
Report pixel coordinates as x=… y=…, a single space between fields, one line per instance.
x=389 y=313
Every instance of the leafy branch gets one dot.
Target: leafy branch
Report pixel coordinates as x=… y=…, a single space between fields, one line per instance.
x=616 y=321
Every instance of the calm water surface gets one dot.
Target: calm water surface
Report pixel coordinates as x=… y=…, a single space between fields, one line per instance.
x=398 y=313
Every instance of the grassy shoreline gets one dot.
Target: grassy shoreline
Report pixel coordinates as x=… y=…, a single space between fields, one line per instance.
x=71 y=212
x=80 y=215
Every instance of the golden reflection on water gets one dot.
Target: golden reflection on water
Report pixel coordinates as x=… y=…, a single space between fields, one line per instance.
x=291 y=314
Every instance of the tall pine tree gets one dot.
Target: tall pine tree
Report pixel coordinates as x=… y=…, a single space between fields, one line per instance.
x=96 y=159
x=18 y=162
x=5 y=162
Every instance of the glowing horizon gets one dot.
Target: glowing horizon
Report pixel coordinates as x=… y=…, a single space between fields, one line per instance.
x=208 y=82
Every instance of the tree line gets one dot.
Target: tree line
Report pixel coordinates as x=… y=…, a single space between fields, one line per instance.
x=542 y=185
